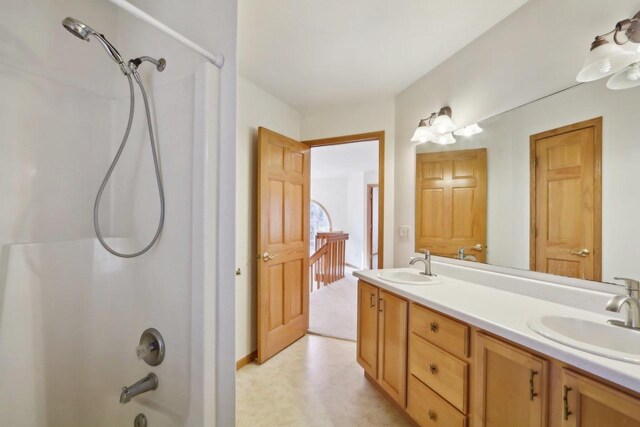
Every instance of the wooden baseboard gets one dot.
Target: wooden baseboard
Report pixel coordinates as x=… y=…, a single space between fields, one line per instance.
x=247 y=359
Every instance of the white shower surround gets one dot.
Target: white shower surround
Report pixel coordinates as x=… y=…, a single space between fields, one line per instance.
x=70 y=313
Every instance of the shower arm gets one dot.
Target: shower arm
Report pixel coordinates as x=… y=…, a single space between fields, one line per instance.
x=159 y=63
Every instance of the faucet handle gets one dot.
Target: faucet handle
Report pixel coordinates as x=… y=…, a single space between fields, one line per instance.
x=632 y=286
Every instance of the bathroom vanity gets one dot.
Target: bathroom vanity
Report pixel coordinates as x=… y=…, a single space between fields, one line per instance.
x=456 y=353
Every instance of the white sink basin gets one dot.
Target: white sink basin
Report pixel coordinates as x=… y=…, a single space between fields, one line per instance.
x=606 y=340
x=408 y=276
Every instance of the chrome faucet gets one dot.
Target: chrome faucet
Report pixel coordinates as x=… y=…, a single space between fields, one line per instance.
x=463 y=256
x=427 y=263
x=631 y=300
x=150 y=382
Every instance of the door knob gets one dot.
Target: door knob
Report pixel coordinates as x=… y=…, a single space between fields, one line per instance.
x=266 y=257
x=580 y=252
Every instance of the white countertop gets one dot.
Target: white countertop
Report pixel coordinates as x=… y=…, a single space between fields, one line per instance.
x=506 y=314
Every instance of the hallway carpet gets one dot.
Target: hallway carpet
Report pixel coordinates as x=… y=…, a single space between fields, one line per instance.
x=333 y=309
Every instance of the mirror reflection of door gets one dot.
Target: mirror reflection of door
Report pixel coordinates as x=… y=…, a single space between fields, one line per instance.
x=451 y=203
x=566 y=211
x=373 y=193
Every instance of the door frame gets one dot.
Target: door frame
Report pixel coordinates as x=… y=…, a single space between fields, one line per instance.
x=363 y=137
x=370 y=253
x=596 y=123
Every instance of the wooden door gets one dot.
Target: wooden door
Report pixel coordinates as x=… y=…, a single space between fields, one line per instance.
x=392 y=346
x=511 y=386
x=566 y=197
x=588 y=403
x=367 y=341
x=451 y=202
x=283 y=241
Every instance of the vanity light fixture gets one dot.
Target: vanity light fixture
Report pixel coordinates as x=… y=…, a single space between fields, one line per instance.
x=470 y=130
x=434 y=127
x=445 y=139
x=625 y=79
x=606 y=58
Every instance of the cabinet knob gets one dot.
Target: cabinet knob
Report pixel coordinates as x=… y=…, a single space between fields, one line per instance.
x=432 y=415
x=433 y=368
x=434 y=327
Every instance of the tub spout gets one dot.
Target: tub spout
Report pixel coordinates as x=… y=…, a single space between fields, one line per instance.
x=150 y=382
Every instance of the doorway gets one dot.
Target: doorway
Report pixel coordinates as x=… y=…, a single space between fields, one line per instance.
x=566 y=201
x=287 y=271
x=344 y=173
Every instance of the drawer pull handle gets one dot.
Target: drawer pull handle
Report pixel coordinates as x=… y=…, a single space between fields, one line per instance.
x=532 y=392
x=434 y=327
x=371 y=300
x=565 y=401
x=433 y=368
x=432 y=415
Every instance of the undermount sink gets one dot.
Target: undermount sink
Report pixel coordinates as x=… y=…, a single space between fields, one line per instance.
x=606 y=340
x=408 y=276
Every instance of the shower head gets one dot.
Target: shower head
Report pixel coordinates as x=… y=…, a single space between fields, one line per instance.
x=77 y=28
x=83 y=31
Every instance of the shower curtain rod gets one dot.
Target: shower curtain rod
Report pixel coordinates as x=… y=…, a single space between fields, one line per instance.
x=215 y=58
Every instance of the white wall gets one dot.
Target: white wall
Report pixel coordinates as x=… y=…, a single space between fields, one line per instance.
x=331 y=193
x=255 y=108
x=361 y=118
x=535 y=51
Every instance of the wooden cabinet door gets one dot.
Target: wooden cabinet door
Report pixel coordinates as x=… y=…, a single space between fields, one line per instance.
x=392 y=346
x=511 y=386
x=588 y=403
x=367 y=341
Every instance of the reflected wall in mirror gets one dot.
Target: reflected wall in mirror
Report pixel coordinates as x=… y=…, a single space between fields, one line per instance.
x=561 y=187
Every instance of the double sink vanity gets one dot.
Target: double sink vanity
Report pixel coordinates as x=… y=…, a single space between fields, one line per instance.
x=450 y=350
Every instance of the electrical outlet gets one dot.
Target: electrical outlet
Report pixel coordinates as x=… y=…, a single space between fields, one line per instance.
x=404 y=232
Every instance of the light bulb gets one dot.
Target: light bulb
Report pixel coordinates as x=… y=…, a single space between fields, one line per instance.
x=468 y=130
x=633 y=73
x=445 y=139
x=605 y=66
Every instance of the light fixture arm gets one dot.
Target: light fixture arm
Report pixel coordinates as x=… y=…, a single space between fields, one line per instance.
x=630 y=27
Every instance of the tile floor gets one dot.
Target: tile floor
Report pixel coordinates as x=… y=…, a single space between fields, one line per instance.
x=314 y=382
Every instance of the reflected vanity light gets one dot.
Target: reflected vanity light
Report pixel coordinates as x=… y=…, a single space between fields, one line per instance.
x=445 y=139
x=434 y=127
x=470 y=130
x=625 y=79
x=606 y=58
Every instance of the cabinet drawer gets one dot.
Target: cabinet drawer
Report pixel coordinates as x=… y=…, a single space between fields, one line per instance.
x=429 y=409
x=444 y=332
x=444 y=373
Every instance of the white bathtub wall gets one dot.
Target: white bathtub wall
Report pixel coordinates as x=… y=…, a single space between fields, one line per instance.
x=54 y=127
x=70 y=313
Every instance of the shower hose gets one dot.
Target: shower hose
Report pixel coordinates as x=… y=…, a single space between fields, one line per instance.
x=96 y=206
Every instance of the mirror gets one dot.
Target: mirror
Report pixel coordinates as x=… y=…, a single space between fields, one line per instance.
x=550 y=186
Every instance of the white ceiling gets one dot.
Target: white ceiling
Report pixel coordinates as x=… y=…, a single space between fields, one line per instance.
x=314 y=53
x=338 y=161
